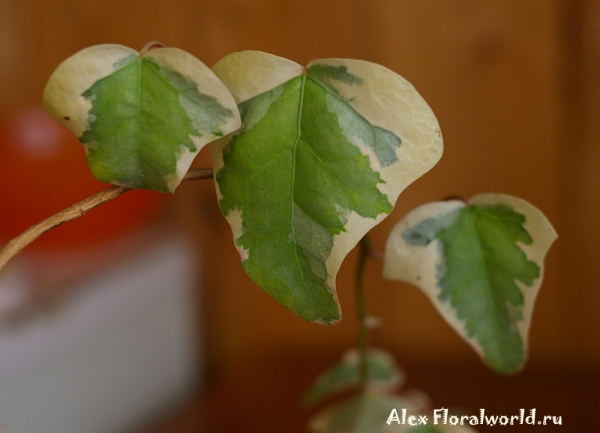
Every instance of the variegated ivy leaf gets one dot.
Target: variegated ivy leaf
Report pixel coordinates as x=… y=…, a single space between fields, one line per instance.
x=382 y=413
x=384 y=374
x=366 y=413
x=324 y=152
x=142 y=118
x=481 y=265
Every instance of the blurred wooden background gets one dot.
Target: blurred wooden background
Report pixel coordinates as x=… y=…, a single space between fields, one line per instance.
x=515 y=85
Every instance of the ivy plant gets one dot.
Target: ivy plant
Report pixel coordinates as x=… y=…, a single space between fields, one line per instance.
x=306 y=160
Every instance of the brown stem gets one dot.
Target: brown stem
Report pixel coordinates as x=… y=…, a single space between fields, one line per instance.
x=371 y=253
x=456 y=197
x=152 y=45
x=16 y=245
x=375 y=255
x=199 y=173
x=361 y=314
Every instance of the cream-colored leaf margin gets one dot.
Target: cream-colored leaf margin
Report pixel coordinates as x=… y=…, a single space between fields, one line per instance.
x=207 y=83
x=250 y=73
x=352 y=358
x=63 y=98
x=417 y=264
x=63 y=95
x=383 y=98
x=322 y=421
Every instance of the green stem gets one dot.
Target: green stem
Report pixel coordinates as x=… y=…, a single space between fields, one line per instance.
x=361 y=312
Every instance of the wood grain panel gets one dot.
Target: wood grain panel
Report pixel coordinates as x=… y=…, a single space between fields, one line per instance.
x=491 y=71
x=580 y=184
x=20 y=50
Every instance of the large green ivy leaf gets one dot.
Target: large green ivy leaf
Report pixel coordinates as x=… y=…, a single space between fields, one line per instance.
x=324 y=152
x=481 y=266
x=141 y=117
x=384 y=374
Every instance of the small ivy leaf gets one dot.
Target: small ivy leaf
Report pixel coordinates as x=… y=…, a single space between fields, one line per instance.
x=481 y=265
x=381 y=413
x=384 y=375
x=142 y=118
x=365 y=413
x=323 y=155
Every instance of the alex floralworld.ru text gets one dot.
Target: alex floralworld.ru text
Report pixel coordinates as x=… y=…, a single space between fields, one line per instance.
x=441 y=416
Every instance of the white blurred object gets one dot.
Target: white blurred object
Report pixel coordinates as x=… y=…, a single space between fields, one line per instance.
x=122 y=350
x=13 y=290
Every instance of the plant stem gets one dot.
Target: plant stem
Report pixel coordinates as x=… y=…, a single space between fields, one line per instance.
x=151 y=46
x=16 y=245
x=198 y=174
x=361 y=313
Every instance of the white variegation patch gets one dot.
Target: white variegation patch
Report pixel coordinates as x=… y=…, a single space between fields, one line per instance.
x=250 y=73
x=237 y=227
x=373 y=161
x=237 y=224
x=183 y=164
x=388 y=101
x=207 y=83
x=63 y=98
x=418 y=264
x=217 y=150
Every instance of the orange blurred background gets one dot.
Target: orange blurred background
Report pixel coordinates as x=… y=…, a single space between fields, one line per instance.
x=515 y=86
